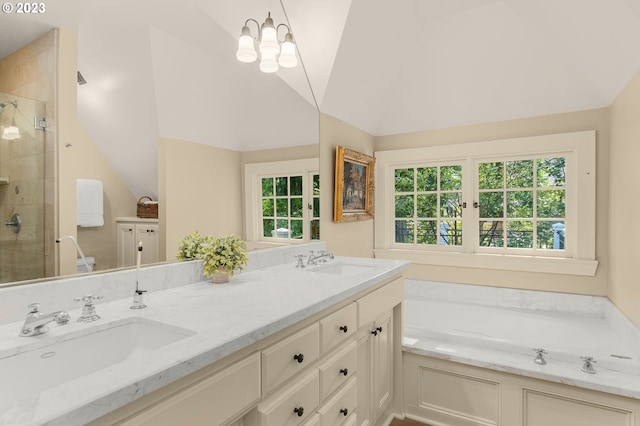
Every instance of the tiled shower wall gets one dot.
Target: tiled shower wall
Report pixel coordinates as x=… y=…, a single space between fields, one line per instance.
x=30 y=72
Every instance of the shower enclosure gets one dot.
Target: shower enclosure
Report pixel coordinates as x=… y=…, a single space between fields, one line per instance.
x=22 y=190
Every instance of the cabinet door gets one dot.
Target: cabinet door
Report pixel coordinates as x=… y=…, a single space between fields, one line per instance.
x=148 y=235
x=125 y=240
x=213 y=401
x=381 y=364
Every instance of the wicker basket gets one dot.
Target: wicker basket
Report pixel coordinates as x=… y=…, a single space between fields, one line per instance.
x=147 y=211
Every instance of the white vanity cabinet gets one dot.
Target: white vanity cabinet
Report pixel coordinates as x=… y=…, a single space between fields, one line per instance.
x=130 y=231
x=334 y=368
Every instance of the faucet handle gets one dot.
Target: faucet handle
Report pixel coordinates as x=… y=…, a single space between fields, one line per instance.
x=34 y=308
x=87 y=299
x=300 y=263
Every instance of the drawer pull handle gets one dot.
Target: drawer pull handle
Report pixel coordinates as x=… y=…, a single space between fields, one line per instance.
x=344 y=329
x=376 y=331
x=299 y=411
x=299 y=358
x=344 y=371
x=344 y=411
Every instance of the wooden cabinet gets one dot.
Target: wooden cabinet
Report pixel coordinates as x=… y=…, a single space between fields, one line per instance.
x=130 y=232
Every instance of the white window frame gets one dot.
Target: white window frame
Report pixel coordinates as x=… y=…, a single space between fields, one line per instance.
x=578 y=147
x=254 y=172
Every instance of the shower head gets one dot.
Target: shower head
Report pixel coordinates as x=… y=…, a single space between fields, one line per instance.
x=4 y=104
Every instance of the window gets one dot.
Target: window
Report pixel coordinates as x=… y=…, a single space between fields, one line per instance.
x=517 y=200
x=428 y=205
x=522 y=204
x=282 y=202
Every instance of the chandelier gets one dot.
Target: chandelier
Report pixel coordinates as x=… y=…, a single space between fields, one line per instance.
x=272 y=52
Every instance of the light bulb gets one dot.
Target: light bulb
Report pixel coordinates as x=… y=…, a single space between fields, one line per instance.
x=288 y=57
x=269 y=38
x=268 y=64
x=246 y=49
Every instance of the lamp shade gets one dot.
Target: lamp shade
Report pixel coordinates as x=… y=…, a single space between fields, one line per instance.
x=10 y=133
x=269 y=38
x=246 y=49
x=288 y=57
x=268 y=64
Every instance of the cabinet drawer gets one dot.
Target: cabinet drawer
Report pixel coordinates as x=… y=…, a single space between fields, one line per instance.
x=212 y=401
x=383 y=299
x=335 y=371
x=336 y=410
x=337 y=327
x=293 y=405
x=289 y=356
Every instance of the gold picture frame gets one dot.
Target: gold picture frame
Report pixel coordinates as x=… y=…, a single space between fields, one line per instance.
x=354 y=186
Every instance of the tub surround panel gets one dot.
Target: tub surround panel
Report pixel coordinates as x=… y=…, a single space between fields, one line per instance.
x=498 y=398
x=507 y=297
x=226 y=318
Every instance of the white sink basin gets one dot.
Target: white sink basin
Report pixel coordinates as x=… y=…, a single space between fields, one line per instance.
x=343 y=268
x=35 y=369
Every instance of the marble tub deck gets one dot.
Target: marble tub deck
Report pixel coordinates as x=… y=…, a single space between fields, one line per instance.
x=614 y=382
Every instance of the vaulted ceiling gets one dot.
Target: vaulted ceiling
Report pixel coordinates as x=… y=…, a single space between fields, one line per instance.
x=167 y=68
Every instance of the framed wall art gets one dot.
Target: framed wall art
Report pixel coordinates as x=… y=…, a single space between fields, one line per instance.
x=354 y=186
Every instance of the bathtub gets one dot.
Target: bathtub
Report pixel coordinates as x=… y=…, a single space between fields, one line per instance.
x=499 y=329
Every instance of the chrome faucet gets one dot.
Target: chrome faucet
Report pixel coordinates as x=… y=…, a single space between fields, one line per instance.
x=540 y=353
x=36 y=322
x=322 y=255
x=587 y=367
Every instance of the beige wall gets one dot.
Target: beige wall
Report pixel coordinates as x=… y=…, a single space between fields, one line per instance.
x=569 y=122
x=200 y=189
x=82 y=159
x=30 y=72
x=624 y=227
x=345 y=238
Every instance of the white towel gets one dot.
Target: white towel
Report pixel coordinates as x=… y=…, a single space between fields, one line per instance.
x=89 y=200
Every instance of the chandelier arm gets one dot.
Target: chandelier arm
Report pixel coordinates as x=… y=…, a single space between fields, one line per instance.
x=257 y=25
x=283 y=25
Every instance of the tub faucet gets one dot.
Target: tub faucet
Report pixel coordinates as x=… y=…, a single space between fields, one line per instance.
x=587 y=367
x=36 y=322
x=322 y=255
x=540 y=353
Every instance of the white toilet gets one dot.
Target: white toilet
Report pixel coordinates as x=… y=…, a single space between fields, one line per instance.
x=82 y=268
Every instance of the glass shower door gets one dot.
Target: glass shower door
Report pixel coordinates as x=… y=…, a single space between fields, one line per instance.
x=22 y=189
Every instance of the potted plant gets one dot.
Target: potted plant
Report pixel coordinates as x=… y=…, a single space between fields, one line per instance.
x=190 y=247
x=222 y=256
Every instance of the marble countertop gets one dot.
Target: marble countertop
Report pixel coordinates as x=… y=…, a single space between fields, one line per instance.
x=225 y=319
x=608 y=381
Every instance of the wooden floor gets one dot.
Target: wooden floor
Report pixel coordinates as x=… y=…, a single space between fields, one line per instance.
x=406 y=422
